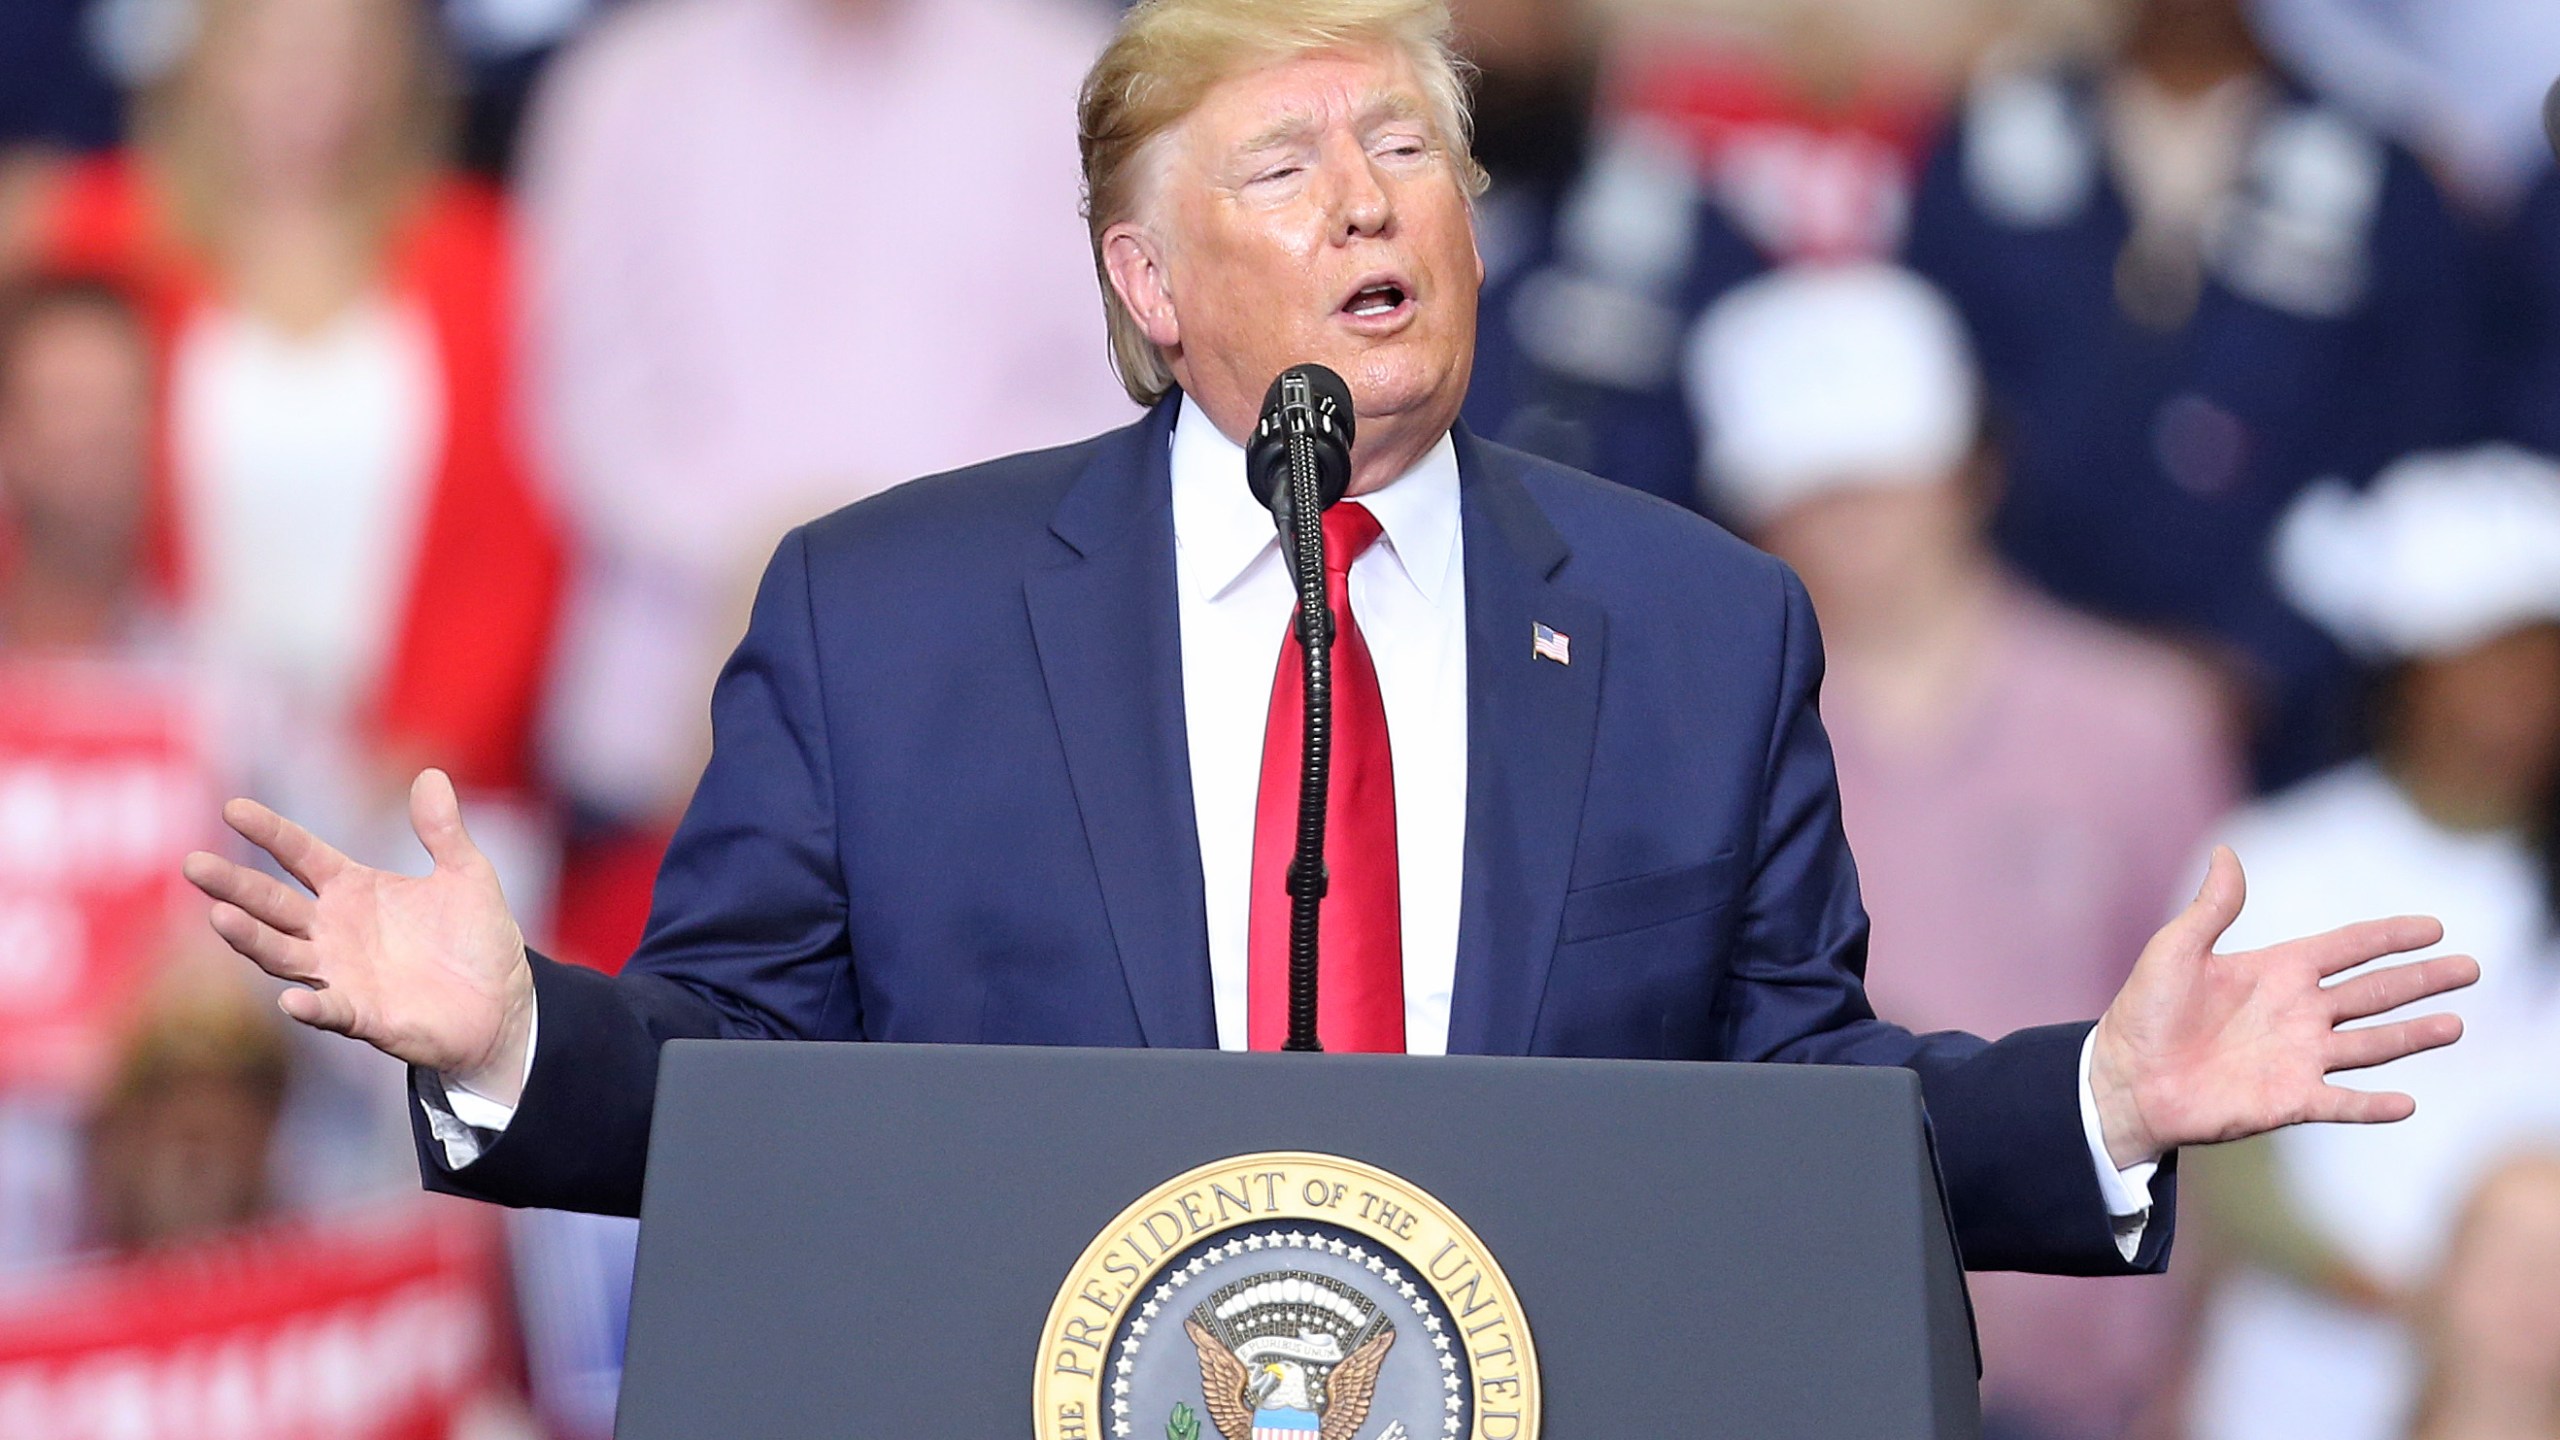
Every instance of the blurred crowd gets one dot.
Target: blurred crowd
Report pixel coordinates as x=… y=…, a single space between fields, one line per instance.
x=2158 y=397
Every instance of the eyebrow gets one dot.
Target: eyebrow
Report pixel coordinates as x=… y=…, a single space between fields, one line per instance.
x=1297 y=126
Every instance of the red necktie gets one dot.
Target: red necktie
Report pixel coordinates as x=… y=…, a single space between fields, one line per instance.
x=1360 y=987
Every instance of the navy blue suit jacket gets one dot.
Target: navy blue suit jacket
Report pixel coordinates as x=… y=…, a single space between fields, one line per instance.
x=949 y=801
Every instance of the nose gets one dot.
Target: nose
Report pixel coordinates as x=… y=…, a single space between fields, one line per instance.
x=1362 y=208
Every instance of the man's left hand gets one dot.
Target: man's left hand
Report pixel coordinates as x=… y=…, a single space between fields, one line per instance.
x=2199 y=1047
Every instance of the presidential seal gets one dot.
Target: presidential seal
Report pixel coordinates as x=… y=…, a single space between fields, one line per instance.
x=1286 y=1296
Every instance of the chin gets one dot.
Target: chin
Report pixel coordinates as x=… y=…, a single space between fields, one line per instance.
x=1391 y=384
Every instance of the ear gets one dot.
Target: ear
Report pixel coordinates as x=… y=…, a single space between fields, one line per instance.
x=1134 y=258
x=1469 y=196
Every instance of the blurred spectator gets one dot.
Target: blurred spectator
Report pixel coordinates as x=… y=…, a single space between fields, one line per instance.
x=2448 y=572
x=783 y=254
x=179 y=1147
x=2195 y=287
x=103 y=776
x=207 y=1307
x=102 y=767
x=2489 y=1327
x=75 y=447
x=2460 y=81
x=2022 y=785
x=346 y=518
x=2530 y=315
x=1808 y=126
x=342 y=511
x=1600 y=248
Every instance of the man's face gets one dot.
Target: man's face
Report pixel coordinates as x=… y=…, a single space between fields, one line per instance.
x=186 y=1162
x=75 y=414
x=2496 y=705
x=1863 y=550
x=1311 y=211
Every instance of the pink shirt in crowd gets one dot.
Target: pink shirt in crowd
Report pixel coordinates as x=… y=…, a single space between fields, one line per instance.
x=2014 y=865
x=785 y=254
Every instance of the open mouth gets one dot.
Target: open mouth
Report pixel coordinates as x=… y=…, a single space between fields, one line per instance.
x=1376 y=301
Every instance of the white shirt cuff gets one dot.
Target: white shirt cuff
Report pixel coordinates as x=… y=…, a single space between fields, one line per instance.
x=465 y=1122
x=2126 y=1191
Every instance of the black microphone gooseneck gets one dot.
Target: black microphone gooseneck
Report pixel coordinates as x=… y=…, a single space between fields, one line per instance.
x=1299 y=465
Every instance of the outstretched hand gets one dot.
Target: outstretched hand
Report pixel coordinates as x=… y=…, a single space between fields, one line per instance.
x=430 y=969
x=2200 y=1047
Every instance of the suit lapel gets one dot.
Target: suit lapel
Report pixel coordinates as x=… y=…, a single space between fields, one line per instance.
x=1107 y=623
x=1529 y=741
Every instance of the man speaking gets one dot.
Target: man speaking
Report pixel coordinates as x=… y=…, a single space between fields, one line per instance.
x=1002 y=758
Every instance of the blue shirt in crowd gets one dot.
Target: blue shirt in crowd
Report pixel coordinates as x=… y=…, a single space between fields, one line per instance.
x=2153 y=435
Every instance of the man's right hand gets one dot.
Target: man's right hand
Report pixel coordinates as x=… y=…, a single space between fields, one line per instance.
x=430 y=970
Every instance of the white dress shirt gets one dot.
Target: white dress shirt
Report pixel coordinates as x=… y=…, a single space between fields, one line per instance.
x=1408 y=593
x=1409 y=598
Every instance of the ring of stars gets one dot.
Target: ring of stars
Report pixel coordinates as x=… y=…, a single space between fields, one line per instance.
x=1160 y=1300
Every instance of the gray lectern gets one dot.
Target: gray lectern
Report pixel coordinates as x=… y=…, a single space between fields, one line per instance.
x=874 y=1242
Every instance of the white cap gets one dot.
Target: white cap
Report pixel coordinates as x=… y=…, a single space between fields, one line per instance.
x=1825 y=377
x=2444 y=551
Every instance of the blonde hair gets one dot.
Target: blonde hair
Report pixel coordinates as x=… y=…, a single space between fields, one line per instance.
x=1169 y=54
x=180 y=131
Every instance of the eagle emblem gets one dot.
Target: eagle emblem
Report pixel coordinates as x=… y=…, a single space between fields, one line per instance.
x=1289 y=1355
x=1253 y=1299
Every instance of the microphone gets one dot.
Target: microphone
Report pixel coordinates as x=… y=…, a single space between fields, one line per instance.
x=1306 y=402
x=1299 y=464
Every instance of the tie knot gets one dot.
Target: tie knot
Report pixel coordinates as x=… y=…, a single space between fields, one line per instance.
x=1349 y=530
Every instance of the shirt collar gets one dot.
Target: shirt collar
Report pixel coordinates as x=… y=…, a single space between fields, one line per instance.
x=1223 y=532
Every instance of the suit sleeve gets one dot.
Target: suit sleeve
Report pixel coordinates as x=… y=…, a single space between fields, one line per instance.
x=746 y=935
x=2005 y=1114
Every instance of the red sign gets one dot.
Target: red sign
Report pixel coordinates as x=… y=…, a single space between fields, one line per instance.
x=382 y=1327
x=1803 y=180
x=103 y=789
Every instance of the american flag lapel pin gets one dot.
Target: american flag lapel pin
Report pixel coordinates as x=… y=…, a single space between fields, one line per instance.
x=1549 y=643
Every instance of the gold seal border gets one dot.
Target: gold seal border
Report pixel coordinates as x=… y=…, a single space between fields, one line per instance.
x=1050 y=1392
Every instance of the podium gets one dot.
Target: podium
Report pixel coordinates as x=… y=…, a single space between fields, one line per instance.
x=878 y=1241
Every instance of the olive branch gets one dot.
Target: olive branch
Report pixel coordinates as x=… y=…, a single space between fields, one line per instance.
x=1185 y=1424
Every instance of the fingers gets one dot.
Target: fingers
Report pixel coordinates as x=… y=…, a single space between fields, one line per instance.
x=2381 y=1044
x=320 y=1009
x=435 y=812
x=2349 y=946
x=2216 y=905
x=279 y=954
x=2394 y=986
x=304 y=856
x=269 y=900
x=2339 y=1106
x=286 y=958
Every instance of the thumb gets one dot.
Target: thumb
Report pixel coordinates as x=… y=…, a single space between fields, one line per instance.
x=435 y=812
x=2216 y=905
